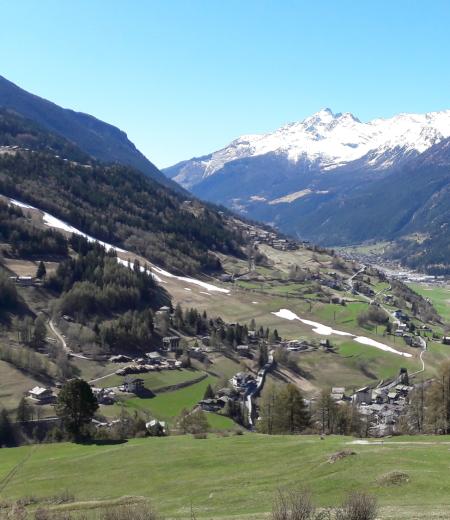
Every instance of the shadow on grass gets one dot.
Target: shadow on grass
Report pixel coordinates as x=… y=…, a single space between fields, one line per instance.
x=101 y=442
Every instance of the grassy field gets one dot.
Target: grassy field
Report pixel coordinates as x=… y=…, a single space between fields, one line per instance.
x=155 y=380
x=440 y=297
x=234 y=477
x=165 y=406
x=13 y=383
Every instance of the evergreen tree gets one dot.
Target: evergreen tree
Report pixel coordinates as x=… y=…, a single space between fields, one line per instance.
x=209 y=393
x=7 y=433
x=76 y=406
x=41 y=271
x=40 y=331
x=263 y=357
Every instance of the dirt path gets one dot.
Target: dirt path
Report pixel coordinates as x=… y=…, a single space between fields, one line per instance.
x=63 y=342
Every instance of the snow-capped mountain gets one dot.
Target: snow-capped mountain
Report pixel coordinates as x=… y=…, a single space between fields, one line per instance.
x=326 y=141
x=336 y=180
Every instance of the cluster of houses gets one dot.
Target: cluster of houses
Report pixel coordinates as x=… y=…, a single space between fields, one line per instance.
x=151 y=362
x=382 y=406
x=244 y=386
x=258 y=235
x=402 y=330
x=218 y=402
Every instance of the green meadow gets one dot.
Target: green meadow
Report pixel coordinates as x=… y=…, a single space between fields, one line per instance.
x=234 y=477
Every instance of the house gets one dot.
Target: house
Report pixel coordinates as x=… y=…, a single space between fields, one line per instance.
x=338 y=393
x=393 y=395
x=211 y=405
x=156 y=428
x=163 y=311
x=243 y=350
x=379 y=396
x=171 y=343
x=362 y=395
x=133 y=385
x=154 y=358
x=325 y=344
x=120 y=358
x=24 y=280
x=104 y=396
x=206 y=340
x=41 y=395
x=242 y=380
x=446 y=340
x=296 y=345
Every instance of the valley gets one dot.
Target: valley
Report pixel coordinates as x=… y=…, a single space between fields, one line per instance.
x=180 y=353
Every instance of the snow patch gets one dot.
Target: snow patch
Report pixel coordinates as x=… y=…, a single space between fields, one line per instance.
x=56 y=223
x=325 y=330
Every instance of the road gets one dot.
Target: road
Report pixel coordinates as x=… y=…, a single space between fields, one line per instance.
x=423 y=364
x=64 y=345
x=259 y=385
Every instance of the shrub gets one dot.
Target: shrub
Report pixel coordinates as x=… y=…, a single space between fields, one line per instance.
x=135 y=511
x=358 y=506
x=293 y=505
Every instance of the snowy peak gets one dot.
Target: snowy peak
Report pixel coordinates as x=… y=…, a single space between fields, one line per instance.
x=329 y=140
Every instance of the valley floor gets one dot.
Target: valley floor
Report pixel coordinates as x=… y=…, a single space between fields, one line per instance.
x=234 y=477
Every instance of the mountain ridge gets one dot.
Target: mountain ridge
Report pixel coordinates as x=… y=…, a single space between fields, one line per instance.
x=97 y=138
x=326 y=141
x=358 y=189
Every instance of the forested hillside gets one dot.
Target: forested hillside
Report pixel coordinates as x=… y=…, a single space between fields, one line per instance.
x=100 y=140
x=113 y=203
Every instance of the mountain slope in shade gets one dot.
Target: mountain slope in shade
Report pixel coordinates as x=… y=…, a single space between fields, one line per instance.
x=101 y=140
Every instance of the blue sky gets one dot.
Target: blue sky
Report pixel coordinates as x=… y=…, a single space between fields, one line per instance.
x=185 y=77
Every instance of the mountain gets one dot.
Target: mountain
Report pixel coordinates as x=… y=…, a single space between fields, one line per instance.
x=101 y=140
x=325 y=142
x=112 y=202
x=333 y=179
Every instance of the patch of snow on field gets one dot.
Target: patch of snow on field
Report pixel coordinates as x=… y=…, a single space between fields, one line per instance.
x=194 y=281
x=372 y=343
x=324 y=330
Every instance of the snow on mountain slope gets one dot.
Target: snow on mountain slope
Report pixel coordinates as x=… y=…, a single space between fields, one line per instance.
x=327 y=141
x=155 y=271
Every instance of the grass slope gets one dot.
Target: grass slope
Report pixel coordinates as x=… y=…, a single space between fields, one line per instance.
x=234 y=477
x=440 y=296
x=165 y=406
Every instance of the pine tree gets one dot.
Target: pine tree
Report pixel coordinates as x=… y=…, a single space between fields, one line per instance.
x=76 y=406
x=7 y=434
x=41 y=270
x=40 y=331
x=209 y=393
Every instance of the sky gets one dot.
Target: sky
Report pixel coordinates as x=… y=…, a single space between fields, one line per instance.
x=185 y=77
